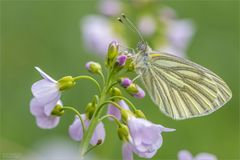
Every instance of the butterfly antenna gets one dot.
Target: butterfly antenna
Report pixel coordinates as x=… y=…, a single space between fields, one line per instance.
x=128 y=22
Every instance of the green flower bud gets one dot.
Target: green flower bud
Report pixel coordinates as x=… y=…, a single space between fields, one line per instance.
x=123 y=132
x=66 y=83
x=112 y=53
x=114 y=91
x=90 y=109
x=93 y=67
x=124 y=114
x=139 y=114
x=58 y=111
x=132 y=88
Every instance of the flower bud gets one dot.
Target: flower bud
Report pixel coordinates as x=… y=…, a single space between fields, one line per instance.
x=121 y=60
x=136 y=91
x=124 y=114
x=93 y=67
x=123 y=132
x=125 y=82
x=132 y=89
x=112 y=52
x=90 y=109
x=115 y=91
x=58 y=110
x=140 y=94
x=139 y=114
x=66 y=83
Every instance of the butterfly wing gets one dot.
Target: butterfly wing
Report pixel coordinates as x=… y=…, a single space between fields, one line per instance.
x=183 y=89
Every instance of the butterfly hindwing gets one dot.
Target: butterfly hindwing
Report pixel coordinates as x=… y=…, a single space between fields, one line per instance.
x=183 y=89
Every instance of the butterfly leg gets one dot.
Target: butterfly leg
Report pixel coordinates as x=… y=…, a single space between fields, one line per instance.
x=134 y=79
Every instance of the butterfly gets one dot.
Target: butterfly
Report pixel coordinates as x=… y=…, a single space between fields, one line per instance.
x=180 y=88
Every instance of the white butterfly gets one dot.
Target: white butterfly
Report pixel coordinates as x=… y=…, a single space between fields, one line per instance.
x=182 y=89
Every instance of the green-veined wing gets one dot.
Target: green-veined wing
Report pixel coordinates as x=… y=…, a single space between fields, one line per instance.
x=183 y=89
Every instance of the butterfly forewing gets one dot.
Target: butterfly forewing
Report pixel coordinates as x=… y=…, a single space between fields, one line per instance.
x=181 y=88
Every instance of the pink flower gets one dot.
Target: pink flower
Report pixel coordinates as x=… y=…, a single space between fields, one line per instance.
x=140 y=93
x=42 y=119
x=112 y=110
x=98 y=33
x=186 y=155
x=76 y=130
x=125 y=82
x=179 y=33
x=110 y=7
x=147 y=25
x=46 y=92
x=121 y=60
x=146 y=138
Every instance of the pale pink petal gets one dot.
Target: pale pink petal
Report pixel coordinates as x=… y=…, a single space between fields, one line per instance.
x=205 y=156
x=147 y=25
x=112 y=110
x=98 y=135
x=43 y=121
x=110 y=7
x=146 y=136
x=147 y=154
x=127 y=153
x=48 y=108
x=47 y=122
x=36 y=108
x=45 y=91
x=165 y=129
x=45 y=75
x=180 y=33
x=98 y=33
x=75 y=129
x=123 y=104
x=185 y=155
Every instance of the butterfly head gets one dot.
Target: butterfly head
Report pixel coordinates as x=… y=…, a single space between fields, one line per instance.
x=142 y=44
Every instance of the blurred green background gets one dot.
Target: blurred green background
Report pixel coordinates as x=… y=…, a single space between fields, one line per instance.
x=47 y=34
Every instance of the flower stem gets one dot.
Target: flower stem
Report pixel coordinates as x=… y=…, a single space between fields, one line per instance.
x=78 y=114
x=89 y=78
x=111 y=102
x=94 y=121
x=127 y=100
x=110 y=116
x=103 y=78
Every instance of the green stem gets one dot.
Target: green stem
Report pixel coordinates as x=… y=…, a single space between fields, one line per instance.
x=89 y=78
x=94 y=121
x=103 y=78
x=111 y=102
x=110 y=116
x=78 y=114
x=113 y=84
x=127 y=101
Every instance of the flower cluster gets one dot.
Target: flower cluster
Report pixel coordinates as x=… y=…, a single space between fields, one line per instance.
x=160 y=25
x=138 y=134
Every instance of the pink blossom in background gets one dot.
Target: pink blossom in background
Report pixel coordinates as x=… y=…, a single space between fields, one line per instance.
x=169 y=34
x=178 y=33
x=147 y=25
x=186 y=155
x=110 y=7
x=97 y=33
